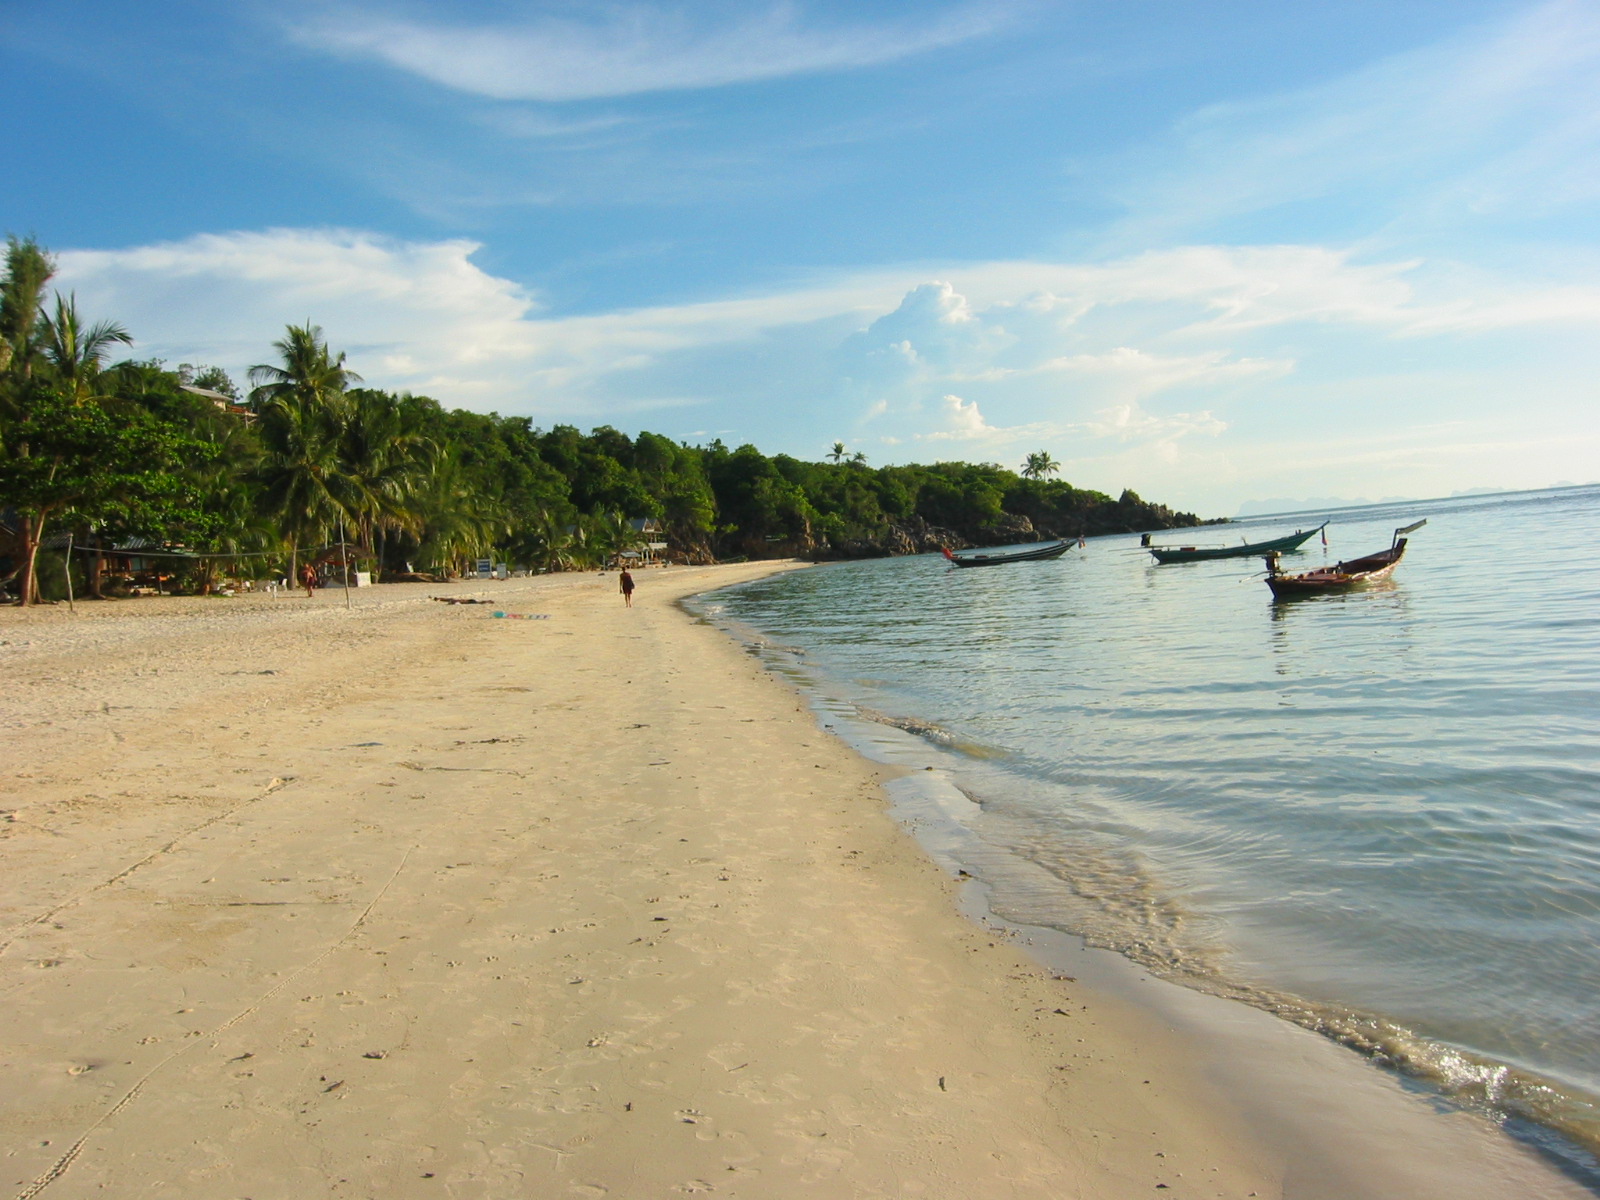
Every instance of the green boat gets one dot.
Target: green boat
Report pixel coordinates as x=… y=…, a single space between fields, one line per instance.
x=1292 y=541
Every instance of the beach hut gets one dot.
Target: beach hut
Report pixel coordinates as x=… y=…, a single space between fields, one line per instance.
x=650 y=544
x=223 y=401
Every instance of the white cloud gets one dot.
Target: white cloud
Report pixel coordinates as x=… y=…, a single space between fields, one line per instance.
x=1128 y=423
x=624 y=49
x=1140 y=373
x=1150 y=359
x=430 y=318
x=964 y=423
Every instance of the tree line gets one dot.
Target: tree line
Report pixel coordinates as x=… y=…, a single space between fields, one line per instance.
x=250 y=480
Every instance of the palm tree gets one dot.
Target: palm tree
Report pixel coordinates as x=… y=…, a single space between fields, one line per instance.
x=606 y=535
x=45 y=360
x=308 y=371
x=28 y=270
x=385 y=457
x=239 y=527
x=303 y=485
x=1039 y=464
x=460 y=521
x=837 y=453
x=76 y=356
x=550 y=537
x=303 y=420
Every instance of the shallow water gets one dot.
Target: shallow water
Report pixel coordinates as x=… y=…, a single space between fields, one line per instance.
x=1377 y=814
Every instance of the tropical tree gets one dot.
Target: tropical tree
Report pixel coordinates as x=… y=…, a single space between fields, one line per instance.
x=304 y=417
x=228 y=525
x=61 y=453
x=303 y=485
x=308 y=370
x=459 y=520
x=75 y=354
x=1039 y=464
x=548 y=537
x=384 y=457
x=28 y=270
x=606 y=535
x=78 y=461
x=837 y=454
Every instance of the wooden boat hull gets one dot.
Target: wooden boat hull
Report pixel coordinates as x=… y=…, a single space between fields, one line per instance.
x=1054 y=550
x=1292 y=541
x=1340 y=577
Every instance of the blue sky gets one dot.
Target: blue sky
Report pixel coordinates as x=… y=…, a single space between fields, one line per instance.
x=1216 y=252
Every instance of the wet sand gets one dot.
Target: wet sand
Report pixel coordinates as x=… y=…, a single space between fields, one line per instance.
x=409 y=900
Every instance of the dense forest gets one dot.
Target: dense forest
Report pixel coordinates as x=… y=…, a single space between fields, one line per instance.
x=246 y=483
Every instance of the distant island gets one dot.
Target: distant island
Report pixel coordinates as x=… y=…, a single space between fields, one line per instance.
x=1284 y=507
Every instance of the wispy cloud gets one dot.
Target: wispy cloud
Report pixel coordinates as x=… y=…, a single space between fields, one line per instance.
x=535 y=124
x=626 y=49
x=1500 y=122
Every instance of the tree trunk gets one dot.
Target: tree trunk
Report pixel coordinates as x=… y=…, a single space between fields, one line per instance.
x=32 y=533
x=96 y=573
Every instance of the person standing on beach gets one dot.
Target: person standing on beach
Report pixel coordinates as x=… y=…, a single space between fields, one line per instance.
x=308 y=576
x=626 y=585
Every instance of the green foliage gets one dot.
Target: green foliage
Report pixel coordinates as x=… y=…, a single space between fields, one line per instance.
x=28 y=270
x=75 y=352
x=98 y=465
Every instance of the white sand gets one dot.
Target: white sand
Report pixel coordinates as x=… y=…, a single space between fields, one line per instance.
x=407 y=900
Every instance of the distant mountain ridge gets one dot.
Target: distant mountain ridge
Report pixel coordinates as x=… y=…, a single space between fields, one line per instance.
x=1284 y=507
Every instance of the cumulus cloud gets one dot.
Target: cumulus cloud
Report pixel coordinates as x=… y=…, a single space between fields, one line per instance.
x=963 y=423
x=624 y=49
x=932 y=332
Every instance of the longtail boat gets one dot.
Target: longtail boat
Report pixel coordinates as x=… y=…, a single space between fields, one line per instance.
x=1290 y=541
x=1342 y=576
x=1051 y=550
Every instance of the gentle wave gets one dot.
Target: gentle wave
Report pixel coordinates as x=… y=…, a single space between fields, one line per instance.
x=1376 y=815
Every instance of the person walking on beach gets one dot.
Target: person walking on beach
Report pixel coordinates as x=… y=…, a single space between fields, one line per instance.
x=626 y=585
x=308 y=576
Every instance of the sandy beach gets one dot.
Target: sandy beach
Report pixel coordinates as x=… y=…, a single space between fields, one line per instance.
x=409 y=900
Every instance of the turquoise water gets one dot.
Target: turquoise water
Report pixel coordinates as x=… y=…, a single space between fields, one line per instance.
x=1377 y=814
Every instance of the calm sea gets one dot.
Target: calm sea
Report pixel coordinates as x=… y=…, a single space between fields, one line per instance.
x=1376 y=814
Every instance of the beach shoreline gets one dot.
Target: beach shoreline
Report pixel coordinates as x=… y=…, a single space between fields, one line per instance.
x=409 y=899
